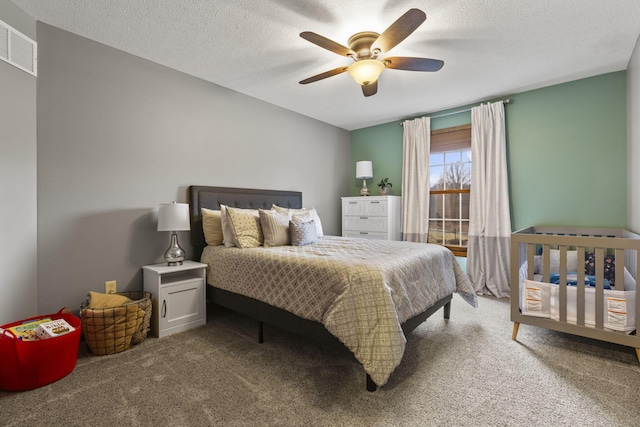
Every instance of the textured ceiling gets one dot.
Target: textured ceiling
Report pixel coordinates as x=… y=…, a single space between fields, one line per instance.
x=490 y=48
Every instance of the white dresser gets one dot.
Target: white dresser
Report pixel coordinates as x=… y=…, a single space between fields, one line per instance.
x=372 y=217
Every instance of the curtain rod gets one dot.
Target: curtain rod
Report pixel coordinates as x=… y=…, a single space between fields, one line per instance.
x=504 y=101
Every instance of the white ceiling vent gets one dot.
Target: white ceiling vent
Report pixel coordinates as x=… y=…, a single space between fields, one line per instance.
x=18 y=49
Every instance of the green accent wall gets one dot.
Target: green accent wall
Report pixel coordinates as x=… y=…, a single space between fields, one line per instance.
x=567 y=150
x=382 y=145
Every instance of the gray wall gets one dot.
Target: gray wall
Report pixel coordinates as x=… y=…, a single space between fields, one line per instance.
x=18 y=262
x=633 y=141
x=118 y=135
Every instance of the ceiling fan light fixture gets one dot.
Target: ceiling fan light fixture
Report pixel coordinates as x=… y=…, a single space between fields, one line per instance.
x=366 y=71
x=365 y=48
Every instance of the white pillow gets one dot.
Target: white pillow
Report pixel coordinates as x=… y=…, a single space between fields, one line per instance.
x=312 y=212
x=245 y=225
x=227 y=231
x=275 y=227
x=572 y=261
x=629 y=281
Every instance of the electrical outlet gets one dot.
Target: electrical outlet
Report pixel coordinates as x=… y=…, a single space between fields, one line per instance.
x=110 y=287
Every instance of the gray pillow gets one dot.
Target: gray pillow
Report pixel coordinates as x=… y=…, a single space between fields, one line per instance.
x=303 y=233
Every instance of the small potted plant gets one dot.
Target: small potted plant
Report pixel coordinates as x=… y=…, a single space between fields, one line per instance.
x=384 y=186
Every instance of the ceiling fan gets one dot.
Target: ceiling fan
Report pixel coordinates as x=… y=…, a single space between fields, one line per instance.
x=365 y=49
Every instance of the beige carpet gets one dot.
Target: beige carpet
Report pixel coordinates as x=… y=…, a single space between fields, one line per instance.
x=461 y=372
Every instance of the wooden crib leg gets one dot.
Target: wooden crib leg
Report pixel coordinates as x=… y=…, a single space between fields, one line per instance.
x=638 y=353
x=516 y=325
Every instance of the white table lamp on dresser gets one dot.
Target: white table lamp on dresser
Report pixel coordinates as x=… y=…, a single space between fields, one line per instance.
x=364 y=170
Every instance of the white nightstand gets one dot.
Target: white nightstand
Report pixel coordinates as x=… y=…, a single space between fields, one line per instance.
x=178 y=296
x=373 y=217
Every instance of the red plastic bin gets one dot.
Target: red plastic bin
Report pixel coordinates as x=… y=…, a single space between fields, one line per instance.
x=25 y=365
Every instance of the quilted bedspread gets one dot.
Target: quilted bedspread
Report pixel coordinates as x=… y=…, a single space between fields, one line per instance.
x=360 y=290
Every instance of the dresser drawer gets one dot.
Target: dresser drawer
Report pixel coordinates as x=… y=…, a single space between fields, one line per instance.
x=353 y=207
x=365 y=206
x=375 y=207
x=365 y=223
x=366 y=235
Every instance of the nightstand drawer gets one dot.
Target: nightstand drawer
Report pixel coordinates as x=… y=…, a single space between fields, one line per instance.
x=366 y=235
x=365 y=223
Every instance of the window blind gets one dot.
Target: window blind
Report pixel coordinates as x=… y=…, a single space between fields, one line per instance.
x=455 y=138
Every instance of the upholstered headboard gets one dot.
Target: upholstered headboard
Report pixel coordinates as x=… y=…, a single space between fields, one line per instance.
x=212 y=197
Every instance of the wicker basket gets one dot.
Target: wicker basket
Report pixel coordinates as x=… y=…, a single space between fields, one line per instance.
x=116 y=329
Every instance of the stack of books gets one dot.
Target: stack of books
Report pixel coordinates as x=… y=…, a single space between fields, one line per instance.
x=38 y=329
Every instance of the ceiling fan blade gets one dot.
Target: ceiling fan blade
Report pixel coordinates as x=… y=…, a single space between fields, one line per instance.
x=399 y=30
x=413 y=64
x=324 y=75
x=370 y=89
x=325 y=43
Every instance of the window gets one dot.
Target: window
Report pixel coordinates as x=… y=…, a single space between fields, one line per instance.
x=450 y=188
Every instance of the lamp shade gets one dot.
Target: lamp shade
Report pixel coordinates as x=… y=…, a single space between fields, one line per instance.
x=365 y=71
x=173 y=217
x=364 y=169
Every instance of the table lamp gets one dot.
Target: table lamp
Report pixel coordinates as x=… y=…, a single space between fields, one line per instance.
x=364 y=170
x=174 y=217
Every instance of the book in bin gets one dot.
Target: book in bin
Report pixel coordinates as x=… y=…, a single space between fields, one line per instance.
x=54 y=328
x=27 y=330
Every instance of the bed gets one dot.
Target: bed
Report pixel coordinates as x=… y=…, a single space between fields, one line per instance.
x=580 y=281
x=360 y=304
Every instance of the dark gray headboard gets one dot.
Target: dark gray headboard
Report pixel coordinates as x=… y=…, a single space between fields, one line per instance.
x=212 y=197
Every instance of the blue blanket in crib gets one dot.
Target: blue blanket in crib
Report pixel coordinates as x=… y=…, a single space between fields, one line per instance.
x=572 y=280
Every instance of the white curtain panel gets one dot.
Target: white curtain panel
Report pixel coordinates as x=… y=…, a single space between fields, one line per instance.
x=416 y=142
x=489 y=218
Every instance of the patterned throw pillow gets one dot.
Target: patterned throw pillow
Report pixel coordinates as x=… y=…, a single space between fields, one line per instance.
x=246 y=227
x=275 y=227
x=303 y=233
x=609 y=266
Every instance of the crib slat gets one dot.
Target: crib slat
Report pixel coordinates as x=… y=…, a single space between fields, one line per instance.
x=530 y=263
x=580 y=288
x=620 y=266
x=562 y=286
x=546 y=262
x=599 y=254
